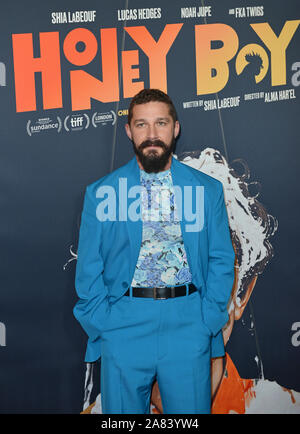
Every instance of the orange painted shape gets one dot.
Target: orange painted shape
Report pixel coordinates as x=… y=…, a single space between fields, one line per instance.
x=233 y=393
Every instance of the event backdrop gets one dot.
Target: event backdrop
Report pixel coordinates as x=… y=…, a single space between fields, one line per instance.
x=67 y=75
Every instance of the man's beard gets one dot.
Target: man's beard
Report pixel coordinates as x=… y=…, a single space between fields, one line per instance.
x=152 y=161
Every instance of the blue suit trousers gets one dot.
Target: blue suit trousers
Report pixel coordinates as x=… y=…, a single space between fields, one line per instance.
x=146 y=339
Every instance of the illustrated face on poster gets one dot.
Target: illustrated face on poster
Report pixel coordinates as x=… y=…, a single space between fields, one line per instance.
x=250 y=225
x=251 y=229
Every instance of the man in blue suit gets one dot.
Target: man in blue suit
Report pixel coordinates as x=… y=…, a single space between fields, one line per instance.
x=155 y=270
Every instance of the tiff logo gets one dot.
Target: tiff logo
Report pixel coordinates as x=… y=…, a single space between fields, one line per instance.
x=2 y=74
x=2 y=335
x=77 y=122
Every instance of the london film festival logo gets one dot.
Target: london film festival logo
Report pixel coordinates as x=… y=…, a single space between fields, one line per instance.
x=210 y=63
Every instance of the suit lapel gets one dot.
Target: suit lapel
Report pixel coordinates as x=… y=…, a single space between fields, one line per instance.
x=135 y=228
x=182 y=177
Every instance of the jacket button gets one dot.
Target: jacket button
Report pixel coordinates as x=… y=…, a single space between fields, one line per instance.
x=124 y=284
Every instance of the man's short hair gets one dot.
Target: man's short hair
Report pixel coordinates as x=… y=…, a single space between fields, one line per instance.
x=148 y=95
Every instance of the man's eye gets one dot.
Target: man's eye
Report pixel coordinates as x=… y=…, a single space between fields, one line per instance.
x=162 y=123
x=141 y=124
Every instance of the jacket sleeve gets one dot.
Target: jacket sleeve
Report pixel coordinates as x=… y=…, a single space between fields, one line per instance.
x=220 y=275
x=92 y=308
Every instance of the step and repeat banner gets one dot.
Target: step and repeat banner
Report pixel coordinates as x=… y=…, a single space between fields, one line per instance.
x=68 y=70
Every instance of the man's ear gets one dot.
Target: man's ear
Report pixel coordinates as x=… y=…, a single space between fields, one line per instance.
x=128 y=131
x=176 y=129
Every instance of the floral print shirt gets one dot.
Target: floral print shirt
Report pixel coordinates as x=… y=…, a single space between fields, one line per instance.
x=162 y=260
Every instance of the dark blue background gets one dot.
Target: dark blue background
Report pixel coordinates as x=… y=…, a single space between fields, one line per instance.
x=43 y=178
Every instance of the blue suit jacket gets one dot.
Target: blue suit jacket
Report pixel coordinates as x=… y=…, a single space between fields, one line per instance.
x=108 y=252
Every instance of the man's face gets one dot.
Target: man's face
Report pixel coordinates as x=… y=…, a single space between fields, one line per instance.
x=153 y=132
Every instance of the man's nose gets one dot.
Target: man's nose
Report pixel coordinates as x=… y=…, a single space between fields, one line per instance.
x=152 y=132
